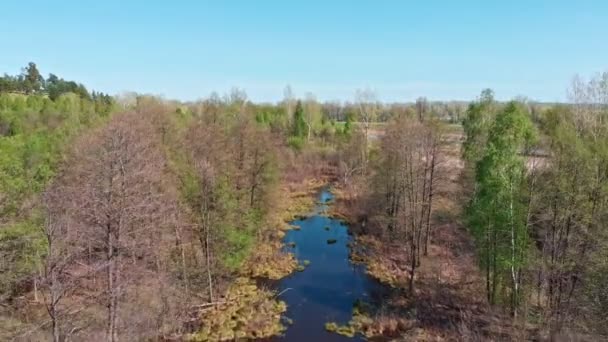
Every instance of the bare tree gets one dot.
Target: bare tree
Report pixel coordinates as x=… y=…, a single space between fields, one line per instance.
x=289 y=102
x=206 y=177
x=237 y=101
x=369 y=107
x=350 y=157
x=406 y=176
x=433 y=139
x=312 y=113
x=119 y=203
x=422 y=108
x=205 y=143
x=59 y=256
x=334 y=110
x=572 y=203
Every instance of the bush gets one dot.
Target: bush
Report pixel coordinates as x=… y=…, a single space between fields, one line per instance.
x=297 y=143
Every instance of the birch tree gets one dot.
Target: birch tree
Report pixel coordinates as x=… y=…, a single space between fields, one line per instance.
x=499 y=208
x=289 y=102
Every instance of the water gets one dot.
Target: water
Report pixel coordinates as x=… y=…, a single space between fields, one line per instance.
x=330 y=285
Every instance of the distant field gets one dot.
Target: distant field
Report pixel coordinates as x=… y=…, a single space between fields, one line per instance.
x=358 y=123
x=376 y=130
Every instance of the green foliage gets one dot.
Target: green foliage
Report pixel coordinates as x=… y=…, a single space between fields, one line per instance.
x=348 y=126
x=21 y=247
x=235 y=229
x=30 y=81
x=498 y=211
x=595 y=292
x=34 y=132
x=297 y=143
x=271 y=116
x=572 y=208
x=228 y=195
x=476 y=125
x=26 y=165
x=240 y=241
x=300 y=128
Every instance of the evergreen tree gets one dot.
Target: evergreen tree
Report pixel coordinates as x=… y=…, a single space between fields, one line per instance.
x=299 y=122
x=32 y=79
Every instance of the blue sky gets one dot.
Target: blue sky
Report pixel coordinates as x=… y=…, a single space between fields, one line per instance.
x=402 y=49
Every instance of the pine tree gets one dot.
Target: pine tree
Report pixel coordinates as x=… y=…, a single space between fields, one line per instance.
x=299 y=123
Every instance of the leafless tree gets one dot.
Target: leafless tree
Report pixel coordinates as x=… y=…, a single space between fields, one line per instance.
x=406 y=176
x=119 y=203
x=369 y=107
x=206 y=176
x=59 y=257
x=205 y=145
x=289 y=102
x=422 y=108
x=334 y=110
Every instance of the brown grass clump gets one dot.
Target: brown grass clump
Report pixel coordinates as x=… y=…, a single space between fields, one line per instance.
x=268 y=260
x=379 y=264
x=371 y=325
x=299 y=198
x=344 y=330
x=246 y=312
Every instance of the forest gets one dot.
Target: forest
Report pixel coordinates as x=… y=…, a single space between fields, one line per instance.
x=139 y=218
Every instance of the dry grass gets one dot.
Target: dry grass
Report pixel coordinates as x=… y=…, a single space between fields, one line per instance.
x=245 y=312
x=268 y=260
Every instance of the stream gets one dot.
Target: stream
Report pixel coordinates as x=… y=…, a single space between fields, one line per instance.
x=328 y=287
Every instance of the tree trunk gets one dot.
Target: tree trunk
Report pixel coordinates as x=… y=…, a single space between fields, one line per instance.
x=309 y=131
x=494 y=266
x=514 y=272
x=412 y=267
x=488 y=264
x=111 y=274
x=429 y=210
x=208 y=259
x=178 y=240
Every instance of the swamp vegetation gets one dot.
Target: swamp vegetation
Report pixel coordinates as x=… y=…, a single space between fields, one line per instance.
x=132 y=217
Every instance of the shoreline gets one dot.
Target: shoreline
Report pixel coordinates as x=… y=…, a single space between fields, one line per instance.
x=248 y=309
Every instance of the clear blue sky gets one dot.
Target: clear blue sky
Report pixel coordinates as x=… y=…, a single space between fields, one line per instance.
x=402 y=49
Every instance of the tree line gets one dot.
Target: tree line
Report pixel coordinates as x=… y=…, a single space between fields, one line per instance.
x=119 y=220
x=30 y=81
x=393 y=178
x=119 y=216
x=538 y=203
x=35 y=130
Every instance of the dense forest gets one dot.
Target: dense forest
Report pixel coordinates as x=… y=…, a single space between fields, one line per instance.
x=133 y=217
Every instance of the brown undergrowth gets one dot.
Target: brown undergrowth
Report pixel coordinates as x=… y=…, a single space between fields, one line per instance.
x=448 y=303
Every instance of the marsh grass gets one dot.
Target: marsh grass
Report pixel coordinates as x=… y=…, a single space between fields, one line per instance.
x=246 y=312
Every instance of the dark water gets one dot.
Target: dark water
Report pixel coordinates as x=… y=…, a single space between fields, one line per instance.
x=330 y=285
